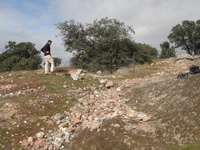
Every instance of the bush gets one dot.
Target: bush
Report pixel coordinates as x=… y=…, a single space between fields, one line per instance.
x=22 y=56
x=105 y=44
x=167 y=51
x=145 y=53
x=102 y=45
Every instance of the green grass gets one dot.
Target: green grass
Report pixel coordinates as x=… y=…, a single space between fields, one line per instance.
x=54 y=86
x=192 y=146
x=58 y=94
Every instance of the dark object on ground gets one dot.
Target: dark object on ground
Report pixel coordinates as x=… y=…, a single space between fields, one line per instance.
x=51 y=73
x=182 y=75
x=194 y=69
x=67 y=74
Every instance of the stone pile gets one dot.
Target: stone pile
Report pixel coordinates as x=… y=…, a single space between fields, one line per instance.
x=90 y=112
x=77 y=74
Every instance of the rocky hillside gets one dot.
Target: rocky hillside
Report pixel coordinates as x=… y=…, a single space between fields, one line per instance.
x=147 y=109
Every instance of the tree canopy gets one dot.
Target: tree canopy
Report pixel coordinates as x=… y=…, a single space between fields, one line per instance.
x=167 y=51
x=186 y=36
x=145 y=53
x=22 y=56
x=105 y=44
x=57 y=61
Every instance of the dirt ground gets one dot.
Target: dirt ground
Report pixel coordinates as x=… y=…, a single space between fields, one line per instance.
x=173 y=104
x=153 y=89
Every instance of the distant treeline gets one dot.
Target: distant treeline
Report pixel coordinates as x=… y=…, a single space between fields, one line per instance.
x=105 y=44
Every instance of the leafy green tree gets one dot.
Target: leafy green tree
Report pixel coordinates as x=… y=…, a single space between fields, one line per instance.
x=167 y=51
x=186 y=36
x=145 y=53
x=57 y=61
x=104 y=44
x=22 y=56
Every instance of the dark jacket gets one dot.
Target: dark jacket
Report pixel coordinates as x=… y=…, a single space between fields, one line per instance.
x=45 y=49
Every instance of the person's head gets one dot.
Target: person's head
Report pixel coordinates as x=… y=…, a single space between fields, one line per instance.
x=49 y=42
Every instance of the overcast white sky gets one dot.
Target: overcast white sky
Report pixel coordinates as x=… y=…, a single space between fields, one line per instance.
x=33 y=20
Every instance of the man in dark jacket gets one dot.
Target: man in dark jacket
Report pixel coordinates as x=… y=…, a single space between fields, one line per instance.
x=47 y=57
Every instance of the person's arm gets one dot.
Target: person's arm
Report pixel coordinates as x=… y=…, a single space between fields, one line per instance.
x=43 y=50
x=47 y=49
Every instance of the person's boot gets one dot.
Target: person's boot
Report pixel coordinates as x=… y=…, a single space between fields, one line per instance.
x=53 y=73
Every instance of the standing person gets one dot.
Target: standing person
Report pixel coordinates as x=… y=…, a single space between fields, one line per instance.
x=48 y=58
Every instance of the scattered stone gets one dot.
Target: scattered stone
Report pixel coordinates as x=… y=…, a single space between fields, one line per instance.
x=118 y=89
x=99 y=72
x=101 y=86
x=109 y=84
x=77 y=121
x=115 y=114
x=185 y=56
x=115 y=125
x=146 y=118
x=132 y=113
x=40 y=135
x=127 y=85
x=103 y=81
x=58 y=117
x=59 y=135
x=64 y=86
x=30 y=139
x=172 y=59
x=62 y=125
x=70 y=129
x=129 y=127
x=93 y=107
x=92 y=88
x=114 y=77
x=123 y=72
x=78 y=115
x=49 y=122
x=75 y=74
x=92 y=97
x=94 y=125
x=38 y=142
x=58 y=122
x=25 y=143
x=50 y=147
x=57 y=144
x=197 y=57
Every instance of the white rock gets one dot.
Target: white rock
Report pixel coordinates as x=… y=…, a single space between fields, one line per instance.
x=75 y=74
x=103 y=81
x=62 y=125
x=40 y=135
x=99 y=72
x=114 y=114
x=90 y=118
x=185 y=56
x=118 y=89
x=109 y=84
x=30 y=139
x=132 y=113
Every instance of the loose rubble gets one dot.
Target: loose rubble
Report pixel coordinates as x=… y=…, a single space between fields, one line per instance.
x=90 y=112
x=95 y=105
x=76 y=74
